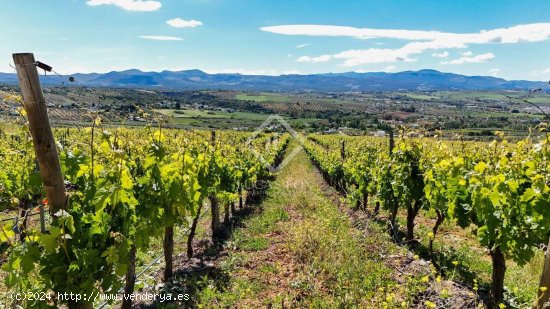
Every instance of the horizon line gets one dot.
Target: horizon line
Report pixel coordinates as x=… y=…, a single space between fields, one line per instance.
x=282 y=74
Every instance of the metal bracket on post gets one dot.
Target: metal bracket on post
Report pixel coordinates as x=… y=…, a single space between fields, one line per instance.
x=43 y=66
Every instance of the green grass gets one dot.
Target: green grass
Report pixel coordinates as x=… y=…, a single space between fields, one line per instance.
x=337 y=255
x=300 y=250
x=541 y=99
x=205 y=119
x=505 y=115
x=253 y=244
x=263 y=97
x=419 y=96
x=289 y=98
x=472 y=95
x=196 y=113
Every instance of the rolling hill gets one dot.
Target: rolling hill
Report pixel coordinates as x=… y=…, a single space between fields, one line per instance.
x=336 y=82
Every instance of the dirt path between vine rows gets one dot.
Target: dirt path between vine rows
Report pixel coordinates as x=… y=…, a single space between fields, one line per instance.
x=302 y=248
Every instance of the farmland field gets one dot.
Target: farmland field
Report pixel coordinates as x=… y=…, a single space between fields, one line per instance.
x=446 y=111
x=263 y=97
x=190 y=113
x=192 y=118
x=329 y=210
x=184 y=197
x=284 y=154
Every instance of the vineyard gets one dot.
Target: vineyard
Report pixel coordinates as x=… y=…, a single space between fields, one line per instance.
x=125 y=188
x=222 y=217
x=498 y=191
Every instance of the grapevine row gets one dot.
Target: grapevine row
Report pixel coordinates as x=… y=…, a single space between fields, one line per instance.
x=501 y=189
x=126 y=188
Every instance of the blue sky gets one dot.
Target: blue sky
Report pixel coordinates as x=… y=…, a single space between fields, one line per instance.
x=282 y=36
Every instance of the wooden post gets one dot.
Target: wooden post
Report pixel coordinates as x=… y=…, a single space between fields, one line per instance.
x=240 y=192
x=191 y=235
x=41 y=132
x=343 y=151
x=496 y=295
x=213 y=138
x=168 y=244
x=543 y=297
x=214 y=205
x=215 y=212
x=391 y=142
x=130 y=279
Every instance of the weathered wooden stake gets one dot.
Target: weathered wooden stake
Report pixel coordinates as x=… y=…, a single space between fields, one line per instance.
x=214 y=205
x=42 y=138
x=168 y=243
x=215 y=212
x=192 y=232
x=391 y=142
x=41 y=132
x=130 y=279
x=543 y=295
x=240 y=192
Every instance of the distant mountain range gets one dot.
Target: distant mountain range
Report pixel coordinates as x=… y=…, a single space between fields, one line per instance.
x=333 y=82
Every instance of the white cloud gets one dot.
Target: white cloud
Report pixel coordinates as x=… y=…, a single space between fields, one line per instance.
x=473 y=59
x=494 y=72
x=323 y=58
x=161 y=38
x=129 y=5
x=546 y=71
x=390 y=68
x=357 y=57
x=516 y=34
x=303 y=45
x=181 y=23
x=444 y=54
x=361 y=33
x=421 y=41
x=467 y=53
